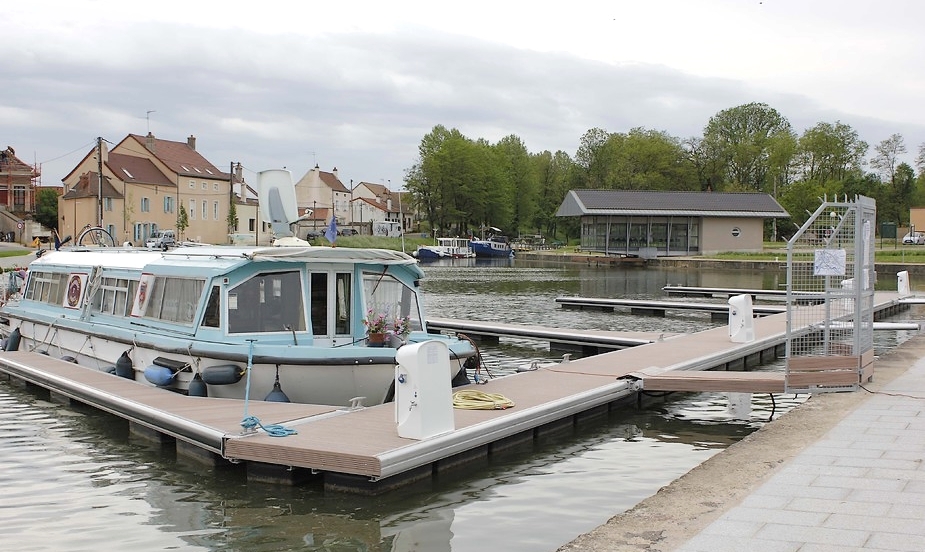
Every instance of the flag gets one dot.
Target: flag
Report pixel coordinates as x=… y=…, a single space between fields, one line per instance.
x=331 y=233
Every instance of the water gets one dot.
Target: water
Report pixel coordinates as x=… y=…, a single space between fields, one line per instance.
x=75 y=479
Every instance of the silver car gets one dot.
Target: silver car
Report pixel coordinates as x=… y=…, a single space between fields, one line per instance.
x=914 y=238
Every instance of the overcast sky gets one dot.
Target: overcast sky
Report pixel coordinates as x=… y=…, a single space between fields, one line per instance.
x=356 y=85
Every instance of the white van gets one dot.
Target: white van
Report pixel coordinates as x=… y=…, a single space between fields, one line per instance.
x=162 y=239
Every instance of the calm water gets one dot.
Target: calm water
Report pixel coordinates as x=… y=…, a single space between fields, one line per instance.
x=75 y=480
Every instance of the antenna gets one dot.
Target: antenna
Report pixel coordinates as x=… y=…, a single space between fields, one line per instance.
x=148 y=119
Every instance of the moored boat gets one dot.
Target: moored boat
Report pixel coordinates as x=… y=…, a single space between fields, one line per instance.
x=493 y=246
x=446 y=248
x=290 y=322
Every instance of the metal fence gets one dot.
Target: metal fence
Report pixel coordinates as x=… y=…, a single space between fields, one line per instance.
x=830 y=297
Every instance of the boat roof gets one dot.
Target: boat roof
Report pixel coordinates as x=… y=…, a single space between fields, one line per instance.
x=219 y=257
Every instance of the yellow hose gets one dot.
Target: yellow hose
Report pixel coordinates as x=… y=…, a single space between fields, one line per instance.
x=478 y=400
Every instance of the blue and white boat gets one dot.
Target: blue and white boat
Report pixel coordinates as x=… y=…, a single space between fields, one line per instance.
x=495 y=245
x=203 y=320
x=446 y=248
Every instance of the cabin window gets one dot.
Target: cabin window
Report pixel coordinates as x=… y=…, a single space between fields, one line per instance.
x=47 y=287
x=388 y=296
x=268 y=302
x=113 y=296
x=174 y=299
x=212 y=317
x=319 y=289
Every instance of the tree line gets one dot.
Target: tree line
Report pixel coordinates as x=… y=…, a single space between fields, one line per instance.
x=461 y=185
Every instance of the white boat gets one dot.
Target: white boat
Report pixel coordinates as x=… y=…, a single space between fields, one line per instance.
x=204 y=320
x=446 y=248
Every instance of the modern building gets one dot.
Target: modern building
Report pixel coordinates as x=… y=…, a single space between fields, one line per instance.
x=652 y=223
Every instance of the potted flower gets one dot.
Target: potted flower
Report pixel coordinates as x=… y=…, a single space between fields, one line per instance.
x=399 y=331
x=377 y=325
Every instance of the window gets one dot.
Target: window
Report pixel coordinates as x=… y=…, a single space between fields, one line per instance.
x=168 y=204
x=268 y=302
x=215 y=210
x=215 y=186
x=107 y=203
x=192 y=184
x=205 y=185
x=388 y=296
x=192 y=209
x=212 y=317
x=113 y=296
x=174 y=299
x=145 y=205
x=46 y=287
x=205 y=210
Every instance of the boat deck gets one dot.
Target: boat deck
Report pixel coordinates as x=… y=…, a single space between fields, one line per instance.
x=360 y=449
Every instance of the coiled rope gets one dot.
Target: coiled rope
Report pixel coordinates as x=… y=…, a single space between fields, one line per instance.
x=478 y=400
x=251 y=423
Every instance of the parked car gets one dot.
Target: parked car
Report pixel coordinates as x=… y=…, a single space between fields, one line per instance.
x=914 y=238
x=347 y=232
x=163 y=239
x=313 y=234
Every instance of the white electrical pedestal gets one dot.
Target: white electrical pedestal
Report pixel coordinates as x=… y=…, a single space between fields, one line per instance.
x=423 y=394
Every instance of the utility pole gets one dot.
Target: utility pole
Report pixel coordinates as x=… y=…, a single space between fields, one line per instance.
x=99 y=188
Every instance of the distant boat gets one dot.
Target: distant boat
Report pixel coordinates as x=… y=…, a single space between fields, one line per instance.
x=495 y=245
x=446 y=248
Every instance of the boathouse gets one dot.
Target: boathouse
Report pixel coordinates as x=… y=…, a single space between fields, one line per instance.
x=650 y=224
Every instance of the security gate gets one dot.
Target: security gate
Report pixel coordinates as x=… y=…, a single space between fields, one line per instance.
x=830 y=298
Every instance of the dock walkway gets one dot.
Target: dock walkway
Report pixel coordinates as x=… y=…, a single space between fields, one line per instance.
x=360 y=449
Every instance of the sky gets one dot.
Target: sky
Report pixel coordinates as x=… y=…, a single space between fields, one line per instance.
x=356 y=85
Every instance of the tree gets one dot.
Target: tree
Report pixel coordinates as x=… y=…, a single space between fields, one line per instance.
x=591 y=157
x=887 y=155
x=46 y=208
x=182 y=221
x=829 y=152
x=753 y=141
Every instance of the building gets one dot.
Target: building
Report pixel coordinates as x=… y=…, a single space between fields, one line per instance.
x=17 y=183
x=323 y=190
x=651 y=224
x=381 y=204
x=139 y=187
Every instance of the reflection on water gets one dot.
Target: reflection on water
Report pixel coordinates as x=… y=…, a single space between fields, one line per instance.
x=76 y=480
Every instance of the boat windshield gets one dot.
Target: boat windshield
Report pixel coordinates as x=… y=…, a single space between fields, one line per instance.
x=268 y=302
x=391 y=298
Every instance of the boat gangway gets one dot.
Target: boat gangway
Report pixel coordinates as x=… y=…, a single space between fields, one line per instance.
x=718 y=311
x=358 y=449
x=588 y=342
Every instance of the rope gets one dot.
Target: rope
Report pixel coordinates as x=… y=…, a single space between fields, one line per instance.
x=251 y=423
x=477 y=400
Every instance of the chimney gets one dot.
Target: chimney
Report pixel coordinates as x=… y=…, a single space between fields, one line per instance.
x=239 y=173
x=335 y=173
x=149 y=142
x=191 y=142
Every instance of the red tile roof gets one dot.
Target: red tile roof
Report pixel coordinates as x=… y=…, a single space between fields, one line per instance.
x=137 y=170
x=181 y=158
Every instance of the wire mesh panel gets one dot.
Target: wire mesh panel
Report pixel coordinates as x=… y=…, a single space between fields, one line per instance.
x=830 y=297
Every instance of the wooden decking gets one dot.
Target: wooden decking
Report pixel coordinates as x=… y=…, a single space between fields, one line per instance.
x=361 y=448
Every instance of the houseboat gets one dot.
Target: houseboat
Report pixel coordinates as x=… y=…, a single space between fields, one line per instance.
x=277 y=323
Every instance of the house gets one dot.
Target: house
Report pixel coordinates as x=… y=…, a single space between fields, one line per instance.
x=392 y=206
x=323 y=190
x=651 y=223
x=140 y=186
x=17 y=183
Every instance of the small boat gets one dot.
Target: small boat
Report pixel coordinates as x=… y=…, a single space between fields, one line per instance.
x=282 y=323
x=495 y=245
x=446 y=248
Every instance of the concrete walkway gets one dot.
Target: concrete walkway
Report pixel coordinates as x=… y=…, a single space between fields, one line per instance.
x=860 y=487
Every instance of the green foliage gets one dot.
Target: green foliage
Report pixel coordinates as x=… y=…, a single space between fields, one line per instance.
x=462 y=184
x=182 y=220
x=46 y=208
x=232 y=219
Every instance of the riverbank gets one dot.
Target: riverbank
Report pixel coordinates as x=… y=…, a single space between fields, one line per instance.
x=916 y=270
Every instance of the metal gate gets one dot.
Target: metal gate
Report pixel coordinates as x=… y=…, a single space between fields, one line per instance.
x=830 y=298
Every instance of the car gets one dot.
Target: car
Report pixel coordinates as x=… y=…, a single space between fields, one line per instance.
x=347 y=232
x=313 y=234
x=163 y=239
x=914 y=238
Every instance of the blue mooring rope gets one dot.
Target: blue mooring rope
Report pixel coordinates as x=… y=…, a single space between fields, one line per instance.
x=251 y=423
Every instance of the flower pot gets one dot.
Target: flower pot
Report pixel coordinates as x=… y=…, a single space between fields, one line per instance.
x=375 y=340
